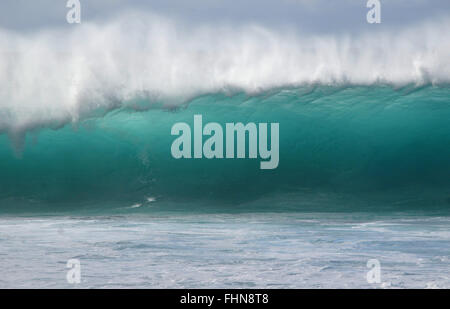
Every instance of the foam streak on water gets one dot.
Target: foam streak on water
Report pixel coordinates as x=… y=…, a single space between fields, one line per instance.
x=226 y=251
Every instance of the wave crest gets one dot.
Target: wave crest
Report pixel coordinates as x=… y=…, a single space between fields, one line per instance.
x=58 y=76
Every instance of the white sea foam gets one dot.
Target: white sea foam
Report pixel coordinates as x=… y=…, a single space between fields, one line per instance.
x=136 y=206
x=256 y=250
x=151 y=199
x=57 y=76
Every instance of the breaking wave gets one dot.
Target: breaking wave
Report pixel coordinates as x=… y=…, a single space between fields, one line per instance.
x=85 y=116
x=352 y=147
x=54 y=77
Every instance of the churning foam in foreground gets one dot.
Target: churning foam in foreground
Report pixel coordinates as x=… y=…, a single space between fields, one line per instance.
x=58 y=76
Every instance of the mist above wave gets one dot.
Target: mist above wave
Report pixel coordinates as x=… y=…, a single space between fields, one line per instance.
x=56 y=77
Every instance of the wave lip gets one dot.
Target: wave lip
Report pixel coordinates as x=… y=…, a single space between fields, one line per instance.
x=55 y=77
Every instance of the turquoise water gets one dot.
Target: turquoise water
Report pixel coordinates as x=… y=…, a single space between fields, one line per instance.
x=363 y=174
x=341 y=148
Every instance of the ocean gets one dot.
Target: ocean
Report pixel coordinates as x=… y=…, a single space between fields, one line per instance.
x=363 y=179
x=246 y=250
x=86 y=170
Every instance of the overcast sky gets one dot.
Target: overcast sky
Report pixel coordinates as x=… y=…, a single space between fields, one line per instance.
x=324 y=16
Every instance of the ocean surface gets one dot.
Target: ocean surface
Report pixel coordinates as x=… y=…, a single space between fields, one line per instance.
x=265 y=250
x=363 y=174
x=86 y=170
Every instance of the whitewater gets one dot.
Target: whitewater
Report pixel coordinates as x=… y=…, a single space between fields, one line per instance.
x=86 y=170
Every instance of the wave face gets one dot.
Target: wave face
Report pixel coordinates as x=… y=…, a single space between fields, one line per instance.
x=348 y=147
x=86 y=115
